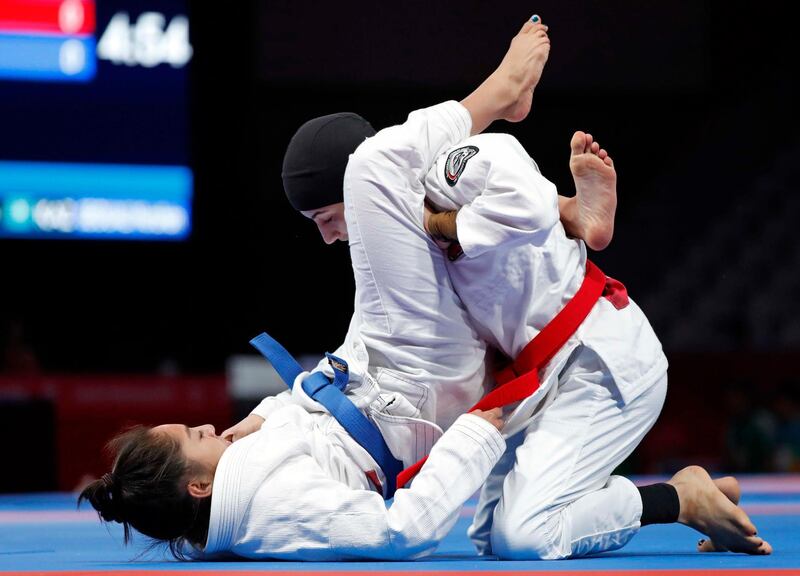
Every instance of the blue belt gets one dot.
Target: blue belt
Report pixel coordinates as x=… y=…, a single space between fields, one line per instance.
x=331 y=396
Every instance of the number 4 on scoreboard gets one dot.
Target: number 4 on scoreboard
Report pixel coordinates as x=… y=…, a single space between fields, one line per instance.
x=146 y=42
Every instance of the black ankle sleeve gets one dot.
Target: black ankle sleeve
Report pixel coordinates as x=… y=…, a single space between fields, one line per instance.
x=660 y=504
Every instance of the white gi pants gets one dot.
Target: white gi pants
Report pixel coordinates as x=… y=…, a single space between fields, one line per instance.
x=552 y=494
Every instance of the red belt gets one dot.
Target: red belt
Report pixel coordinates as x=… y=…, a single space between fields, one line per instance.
x=520 y=379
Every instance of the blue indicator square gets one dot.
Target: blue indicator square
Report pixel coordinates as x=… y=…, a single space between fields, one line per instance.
x=47 y=58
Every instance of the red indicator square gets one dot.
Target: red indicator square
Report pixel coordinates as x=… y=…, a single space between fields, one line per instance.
x=63 y=17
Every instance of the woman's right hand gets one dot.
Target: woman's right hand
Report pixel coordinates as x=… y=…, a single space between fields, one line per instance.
x=493 y=417
x=247 y=426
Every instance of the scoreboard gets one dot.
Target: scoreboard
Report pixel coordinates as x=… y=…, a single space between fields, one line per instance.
x=47 y=40
x=95 y=109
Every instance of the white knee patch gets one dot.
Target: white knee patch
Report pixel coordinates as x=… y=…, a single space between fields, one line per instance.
x=541 y=537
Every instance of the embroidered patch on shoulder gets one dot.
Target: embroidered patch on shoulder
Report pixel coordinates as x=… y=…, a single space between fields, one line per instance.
x=456 y=162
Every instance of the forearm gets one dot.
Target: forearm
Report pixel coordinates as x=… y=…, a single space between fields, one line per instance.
x=457 y=466
x=349 y=524
x=443 y=226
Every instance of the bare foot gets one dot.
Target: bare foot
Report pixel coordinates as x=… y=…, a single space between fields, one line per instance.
x=729 y=486
x=521 y=69
x=707 y=509
x=595 y=191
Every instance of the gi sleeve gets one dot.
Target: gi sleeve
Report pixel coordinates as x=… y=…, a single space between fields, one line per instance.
x=271 y=403
x=516 y=204
x=412 y=147
x=326 y=520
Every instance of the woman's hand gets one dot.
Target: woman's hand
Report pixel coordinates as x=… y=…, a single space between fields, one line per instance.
x=493 y=417
x=247 y=426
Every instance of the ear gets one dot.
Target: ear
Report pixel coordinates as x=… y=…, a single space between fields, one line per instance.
x=199 y=488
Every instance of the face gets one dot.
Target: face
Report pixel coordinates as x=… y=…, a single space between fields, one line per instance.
x=330 y=221
x=200 y=445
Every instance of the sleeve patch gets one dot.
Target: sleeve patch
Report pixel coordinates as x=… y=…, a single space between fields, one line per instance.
x=456 y=162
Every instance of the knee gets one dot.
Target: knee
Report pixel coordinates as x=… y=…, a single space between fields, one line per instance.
x=537 y=537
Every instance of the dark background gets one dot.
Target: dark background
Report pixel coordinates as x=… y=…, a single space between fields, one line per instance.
x=696 y=101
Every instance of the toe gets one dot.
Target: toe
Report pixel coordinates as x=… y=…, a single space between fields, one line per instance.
x=588 y=143
x=533 y=24
x=707 y=545
x=744 y=523
x=578 y=142
x=602 y=154
x=730 y=487
x=743 y=545
x=754 y=545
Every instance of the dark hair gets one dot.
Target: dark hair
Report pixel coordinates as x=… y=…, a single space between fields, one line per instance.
x=146 y=490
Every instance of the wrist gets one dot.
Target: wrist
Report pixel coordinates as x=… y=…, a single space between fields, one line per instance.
x=254 y=416
x=442 y=226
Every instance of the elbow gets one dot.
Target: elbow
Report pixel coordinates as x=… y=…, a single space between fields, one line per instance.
x=410 y=538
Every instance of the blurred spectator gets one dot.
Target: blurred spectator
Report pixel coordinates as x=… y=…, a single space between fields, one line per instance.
x=787 y=433
x=18 y=355
x=763 y=432
x=751 y=430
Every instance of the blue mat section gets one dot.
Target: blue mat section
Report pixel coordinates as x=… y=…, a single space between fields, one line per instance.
x=45 y=532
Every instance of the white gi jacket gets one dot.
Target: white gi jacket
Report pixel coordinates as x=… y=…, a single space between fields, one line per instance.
x=519 y=268
x=297 y=490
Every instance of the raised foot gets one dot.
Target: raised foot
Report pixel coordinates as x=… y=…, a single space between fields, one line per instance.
x=521 y=69
x=595 y=190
